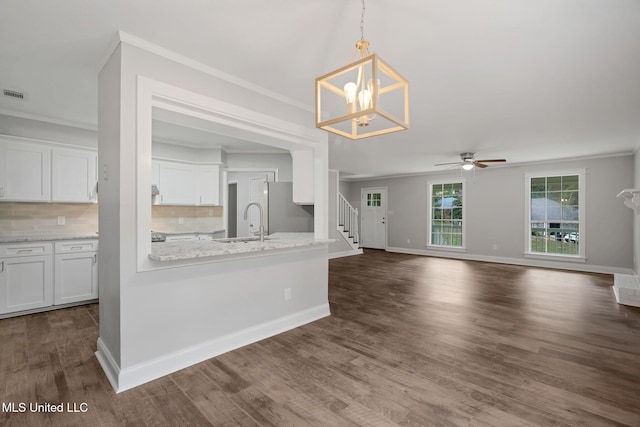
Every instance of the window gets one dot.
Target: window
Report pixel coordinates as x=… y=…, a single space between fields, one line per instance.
x=555 y=224
x=373 y=199
x=446 y=226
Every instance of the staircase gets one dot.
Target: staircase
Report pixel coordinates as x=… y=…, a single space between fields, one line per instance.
x=348 y=223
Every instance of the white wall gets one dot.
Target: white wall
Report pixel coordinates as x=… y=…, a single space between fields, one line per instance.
x=109 y=256
x=155 y=322
x=495 y=213
x=636 y=218
x=344 y=188
x=280 y=161
x=187 y=154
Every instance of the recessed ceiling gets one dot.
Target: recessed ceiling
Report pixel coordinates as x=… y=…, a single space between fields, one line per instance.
x=525 y=80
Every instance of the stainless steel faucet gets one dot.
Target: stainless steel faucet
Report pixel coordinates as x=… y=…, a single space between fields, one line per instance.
x=260 y=231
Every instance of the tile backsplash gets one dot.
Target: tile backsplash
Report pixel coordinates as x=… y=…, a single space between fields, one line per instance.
x=36 y=219
x=29 y=219
x=194 y=218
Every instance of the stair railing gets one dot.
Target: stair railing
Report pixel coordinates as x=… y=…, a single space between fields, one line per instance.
x=348 y=218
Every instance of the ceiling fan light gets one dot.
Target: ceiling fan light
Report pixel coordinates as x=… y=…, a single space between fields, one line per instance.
x=467 y=166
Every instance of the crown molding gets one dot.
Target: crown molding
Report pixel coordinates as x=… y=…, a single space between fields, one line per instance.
x=48 y=119
x=123 y=37
x=354 y=178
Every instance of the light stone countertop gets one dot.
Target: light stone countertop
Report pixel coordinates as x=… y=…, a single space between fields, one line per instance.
x=189 y=233
x=47 y=238
x=172 y=251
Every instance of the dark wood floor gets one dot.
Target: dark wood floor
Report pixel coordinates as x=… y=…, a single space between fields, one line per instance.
x=411 y=341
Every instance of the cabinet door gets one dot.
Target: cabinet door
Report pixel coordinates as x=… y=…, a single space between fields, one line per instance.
x=155 y=172
x=74 y=176
x=177 y=183
x=208 y=179
x=303 y=176
x=25 y=172
x=25 y=283
x=76 y=277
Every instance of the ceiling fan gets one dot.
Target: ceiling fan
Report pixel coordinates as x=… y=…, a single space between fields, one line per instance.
x=468 y=162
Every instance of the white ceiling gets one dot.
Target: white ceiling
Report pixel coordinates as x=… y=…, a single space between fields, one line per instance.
x=527 y=80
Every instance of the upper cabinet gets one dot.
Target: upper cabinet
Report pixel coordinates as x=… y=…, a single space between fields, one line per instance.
x=208 y=179
x=25 y=171
x=43 y=172
x=186 y=184
x=74 y=175
x=177 y=183
x=303 y=175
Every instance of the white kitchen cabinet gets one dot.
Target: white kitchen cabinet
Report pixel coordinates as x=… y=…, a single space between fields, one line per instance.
x=26 y=277
x=303 y=176
x=25 y=171
x=186 y=184
x=177 y=183
x=208 y=179
x=74 y=175
x=76 y=271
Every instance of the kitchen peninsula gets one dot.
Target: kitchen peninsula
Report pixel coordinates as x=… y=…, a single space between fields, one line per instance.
x=172 y=251
x=166 y=306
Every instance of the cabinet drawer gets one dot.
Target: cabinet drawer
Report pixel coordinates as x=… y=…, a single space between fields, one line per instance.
x=25 y=249
x=76 y=246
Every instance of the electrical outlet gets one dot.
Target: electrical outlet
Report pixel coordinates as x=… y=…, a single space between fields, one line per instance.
x=494 y=247
x=408 y=241
x=180 y=220
x=287 y=294
x=61 y=220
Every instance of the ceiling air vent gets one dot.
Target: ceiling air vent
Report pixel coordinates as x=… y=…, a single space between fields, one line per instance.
x=13 y=94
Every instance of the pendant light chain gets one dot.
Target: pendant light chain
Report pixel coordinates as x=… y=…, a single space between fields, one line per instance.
x=362 y=22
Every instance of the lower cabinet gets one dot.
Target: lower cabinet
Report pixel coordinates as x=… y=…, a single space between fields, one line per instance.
x=26 y=277
x=76 y=272
x=33 y=277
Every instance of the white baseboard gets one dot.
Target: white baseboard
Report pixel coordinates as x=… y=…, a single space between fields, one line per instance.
x=341 y=254
x=124 y=379
x=108 y=363
x=627 y=289
x=529 y=262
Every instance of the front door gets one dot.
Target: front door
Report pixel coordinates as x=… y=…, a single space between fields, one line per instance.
x=373 y=217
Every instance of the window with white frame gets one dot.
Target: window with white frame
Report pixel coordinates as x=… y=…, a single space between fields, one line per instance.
x=555 y=219
x=446 y=220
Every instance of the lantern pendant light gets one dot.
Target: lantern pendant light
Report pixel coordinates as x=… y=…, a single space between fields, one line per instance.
x=375 y=95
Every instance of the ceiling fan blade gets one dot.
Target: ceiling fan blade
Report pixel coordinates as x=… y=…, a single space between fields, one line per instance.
x=480 y=165
x=491 y=160
x=445 y=164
